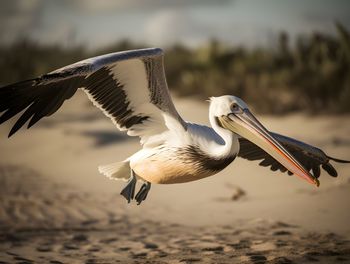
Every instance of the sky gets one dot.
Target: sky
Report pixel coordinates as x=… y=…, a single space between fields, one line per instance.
x=97 y=23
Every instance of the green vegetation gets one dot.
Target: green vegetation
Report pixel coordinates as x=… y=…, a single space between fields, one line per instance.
x=313 y=75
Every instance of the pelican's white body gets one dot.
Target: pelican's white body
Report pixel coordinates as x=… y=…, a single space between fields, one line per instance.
x=165 y=134
x=159 y=162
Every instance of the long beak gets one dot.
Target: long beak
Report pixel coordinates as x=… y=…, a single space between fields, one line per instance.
x=247 y=126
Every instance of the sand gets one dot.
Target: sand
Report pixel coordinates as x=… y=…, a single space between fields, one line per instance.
x=56 y=208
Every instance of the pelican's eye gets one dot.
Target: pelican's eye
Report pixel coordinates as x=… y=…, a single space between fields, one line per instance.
x=235 y=108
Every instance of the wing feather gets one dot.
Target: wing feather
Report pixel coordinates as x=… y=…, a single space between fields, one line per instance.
x=312 y=158
x=129 y=87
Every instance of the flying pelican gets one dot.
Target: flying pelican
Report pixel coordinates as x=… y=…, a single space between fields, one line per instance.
x=130 y=88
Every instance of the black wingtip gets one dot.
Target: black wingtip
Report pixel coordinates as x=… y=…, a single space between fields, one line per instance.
x=15 y=128
x=330 y=169
x=316 y=171
x=338 y=160
x=11 y=134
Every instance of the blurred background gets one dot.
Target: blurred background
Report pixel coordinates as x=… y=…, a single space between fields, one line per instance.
x=289 y=60
x=280 y=56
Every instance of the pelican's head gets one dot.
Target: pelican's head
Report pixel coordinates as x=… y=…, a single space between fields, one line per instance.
x=232 y=113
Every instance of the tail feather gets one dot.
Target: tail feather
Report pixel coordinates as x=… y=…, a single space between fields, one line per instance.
x=116 y=170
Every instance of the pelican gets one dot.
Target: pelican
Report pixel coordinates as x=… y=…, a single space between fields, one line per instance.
x=130 y=88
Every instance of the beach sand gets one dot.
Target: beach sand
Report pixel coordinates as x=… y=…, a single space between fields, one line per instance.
x=56 y=208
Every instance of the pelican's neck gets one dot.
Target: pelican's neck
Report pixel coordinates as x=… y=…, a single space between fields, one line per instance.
x=231 y=144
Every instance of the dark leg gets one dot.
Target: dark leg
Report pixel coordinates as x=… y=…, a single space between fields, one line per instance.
x=142 y=194
x=129 y=190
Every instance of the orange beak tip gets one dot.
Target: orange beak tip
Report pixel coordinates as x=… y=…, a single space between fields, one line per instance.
x=317 y=182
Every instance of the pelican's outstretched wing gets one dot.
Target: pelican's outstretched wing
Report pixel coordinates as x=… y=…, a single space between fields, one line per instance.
x=129 y=87
x=311 y=157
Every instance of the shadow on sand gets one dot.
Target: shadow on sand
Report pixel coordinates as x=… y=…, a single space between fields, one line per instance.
x=104 y=138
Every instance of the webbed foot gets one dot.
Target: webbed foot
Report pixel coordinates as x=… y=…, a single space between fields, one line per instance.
x=129 y=190
x=142 y=193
